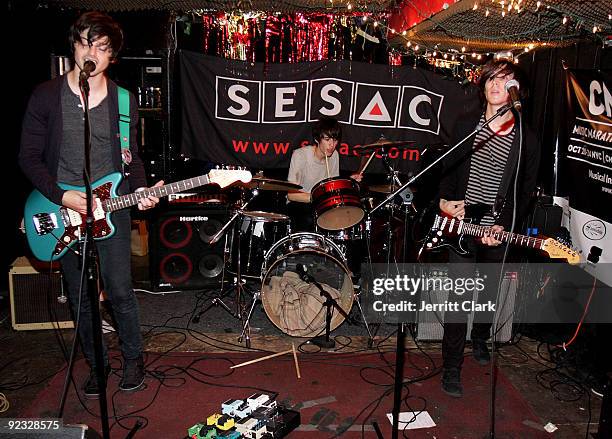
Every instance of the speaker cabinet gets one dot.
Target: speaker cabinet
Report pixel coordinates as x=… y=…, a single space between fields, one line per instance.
x=33 y=295
x=180 y=256
x=429 y=323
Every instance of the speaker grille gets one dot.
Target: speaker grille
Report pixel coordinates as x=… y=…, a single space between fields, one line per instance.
x=180 y=254
x=34 y=302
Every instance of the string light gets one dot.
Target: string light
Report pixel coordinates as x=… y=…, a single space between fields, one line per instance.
x=487 y=12
x=475 y=6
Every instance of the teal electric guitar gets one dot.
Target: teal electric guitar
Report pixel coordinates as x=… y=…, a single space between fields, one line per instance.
x=52 y=229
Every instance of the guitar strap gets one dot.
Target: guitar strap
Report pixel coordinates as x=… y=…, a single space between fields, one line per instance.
x=124 y=127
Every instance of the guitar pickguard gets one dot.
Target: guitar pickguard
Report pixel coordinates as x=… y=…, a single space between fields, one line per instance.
x=74 y=222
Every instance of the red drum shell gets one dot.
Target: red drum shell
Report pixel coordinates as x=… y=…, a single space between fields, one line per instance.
x=337 y=204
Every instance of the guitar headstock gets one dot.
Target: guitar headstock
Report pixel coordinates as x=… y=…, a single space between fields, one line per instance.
x=226 y=177
x=560 y=251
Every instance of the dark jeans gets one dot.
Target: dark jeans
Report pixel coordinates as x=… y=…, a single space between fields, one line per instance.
x=455 y=325
x=115 y=267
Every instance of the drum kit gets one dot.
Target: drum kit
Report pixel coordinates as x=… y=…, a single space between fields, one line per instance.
x=304 y=279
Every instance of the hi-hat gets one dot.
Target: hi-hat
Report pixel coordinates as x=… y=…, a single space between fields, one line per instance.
x=269 y=184
x=386 y=188
x=384 y=143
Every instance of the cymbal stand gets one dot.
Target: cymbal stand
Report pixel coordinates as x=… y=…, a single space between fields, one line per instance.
x=238 y=285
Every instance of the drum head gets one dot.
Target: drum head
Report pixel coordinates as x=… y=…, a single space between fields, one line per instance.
x=295 y=306
x=340 y=218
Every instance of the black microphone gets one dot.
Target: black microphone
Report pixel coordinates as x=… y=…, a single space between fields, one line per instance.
x=512 y=87
x=88 y=67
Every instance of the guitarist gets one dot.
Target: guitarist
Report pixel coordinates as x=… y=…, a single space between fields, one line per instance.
x=483 y=172
x=52 y=152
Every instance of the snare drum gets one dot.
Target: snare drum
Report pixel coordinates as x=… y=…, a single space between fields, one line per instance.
x=293 y=305
x=354 y=233
x=336 y=203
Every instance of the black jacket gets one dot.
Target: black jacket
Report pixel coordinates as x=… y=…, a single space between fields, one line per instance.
x=456 y=170
x=41 y=138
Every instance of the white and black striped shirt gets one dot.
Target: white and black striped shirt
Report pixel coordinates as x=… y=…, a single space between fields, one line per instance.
x=489 y=156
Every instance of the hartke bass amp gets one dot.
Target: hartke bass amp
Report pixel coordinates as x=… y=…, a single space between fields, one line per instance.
x=180 y=257
x=34 y=298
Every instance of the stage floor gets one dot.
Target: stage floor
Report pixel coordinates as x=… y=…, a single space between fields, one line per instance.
x=530 y=393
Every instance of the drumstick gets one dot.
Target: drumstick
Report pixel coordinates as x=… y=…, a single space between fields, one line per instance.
x=327 y=166
x=297 y=366
x=257 y=360
x=367 y=163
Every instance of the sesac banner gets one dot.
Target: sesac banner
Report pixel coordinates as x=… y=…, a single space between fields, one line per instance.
x=585 y=171
x=256 y=114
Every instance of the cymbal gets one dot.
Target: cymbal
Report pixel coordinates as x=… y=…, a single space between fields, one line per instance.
x=270 y=184
x=386 y=188
x=383 y=188
x=380 y=143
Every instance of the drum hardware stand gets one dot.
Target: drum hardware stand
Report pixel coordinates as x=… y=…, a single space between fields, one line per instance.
x=238 y=285
x=323 y=341
x=246 y=328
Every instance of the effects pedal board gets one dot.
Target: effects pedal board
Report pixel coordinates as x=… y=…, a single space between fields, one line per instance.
x=257 y=417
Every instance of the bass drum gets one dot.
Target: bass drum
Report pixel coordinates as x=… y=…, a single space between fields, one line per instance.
x=294 y=305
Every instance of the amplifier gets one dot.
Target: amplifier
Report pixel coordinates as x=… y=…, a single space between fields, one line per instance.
x=33 y=296
x=429 y=324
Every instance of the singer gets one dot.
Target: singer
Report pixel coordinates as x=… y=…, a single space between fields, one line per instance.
x=484 y=172
x=52 y=151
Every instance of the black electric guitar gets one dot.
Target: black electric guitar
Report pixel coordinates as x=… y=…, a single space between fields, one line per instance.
x=450 y=232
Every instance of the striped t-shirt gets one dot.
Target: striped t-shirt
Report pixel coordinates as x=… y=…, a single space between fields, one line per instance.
x=489 y=156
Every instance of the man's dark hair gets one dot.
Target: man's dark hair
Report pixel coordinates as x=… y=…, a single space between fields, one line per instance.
x=326 y=126
x=503 y=67
x=100 y=25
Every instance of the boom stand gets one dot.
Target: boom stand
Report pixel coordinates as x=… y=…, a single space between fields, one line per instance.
x=323 y=341
x=399 y=356
x=239 y=286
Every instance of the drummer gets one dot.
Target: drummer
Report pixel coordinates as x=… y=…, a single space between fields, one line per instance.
x=311 y=164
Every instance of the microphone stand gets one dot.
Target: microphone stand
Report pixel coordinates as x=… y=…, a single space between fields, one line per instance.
x=89 y=263
x=323 y=341
x=401 y=332
x=392 y=195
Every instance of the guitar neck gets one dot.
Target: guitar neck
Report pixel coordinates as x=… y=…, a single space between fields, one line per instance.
x=513 y=238
x=129 y=200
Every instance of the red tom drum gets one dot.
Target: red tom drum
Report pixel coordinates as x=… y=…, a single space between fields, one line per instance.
x=337 y=204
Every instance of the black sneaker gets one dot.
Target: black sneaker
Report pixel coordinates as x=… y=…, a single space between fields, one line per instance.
x=451 y=382
x=480 y=351
x=90 y=388
x=133 y=375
